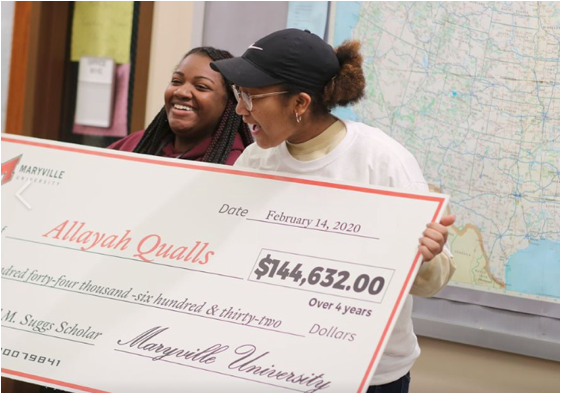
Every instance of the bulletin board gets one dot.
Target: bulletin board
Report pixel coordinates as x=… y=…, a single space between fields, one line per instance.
x=120 y=32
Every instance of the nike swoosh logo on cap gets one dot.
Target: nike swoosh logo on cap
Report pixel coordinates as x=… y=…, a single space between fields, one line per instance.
x=254 y=47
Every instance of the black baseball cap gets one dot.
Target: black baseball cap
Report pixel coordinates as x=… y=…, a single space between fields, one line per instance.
x=292 y=56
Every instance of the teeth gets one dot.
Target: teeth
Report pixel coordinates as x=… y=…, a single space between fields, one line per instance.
x=182 y=107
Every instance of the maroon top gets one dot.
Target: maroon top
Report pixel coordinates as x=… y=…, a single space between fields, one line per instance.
x=128 y=144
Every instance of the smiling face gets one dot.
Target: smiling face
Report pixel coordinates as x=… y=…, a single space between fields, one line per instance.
x=195 y=99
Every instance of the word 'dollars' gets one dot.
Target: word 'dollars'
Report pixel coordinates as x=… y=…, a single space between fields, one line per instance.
x=149 y=248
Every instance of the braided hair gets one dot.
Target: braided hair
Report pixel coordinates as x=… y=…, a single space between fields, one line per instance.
x=230 y=123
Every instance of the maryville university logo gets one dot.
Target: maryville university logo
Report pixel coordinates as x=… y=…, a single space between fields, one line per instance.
x=9 y=168
x=14 y=169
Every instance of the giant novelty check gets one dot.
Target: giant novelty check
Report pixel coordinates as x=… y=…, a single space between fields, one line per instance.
x=125 y=272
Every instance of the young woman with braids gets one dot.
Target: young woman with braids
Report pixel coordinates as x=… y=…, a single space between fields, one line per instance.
x=198 y=120
x=286 y=85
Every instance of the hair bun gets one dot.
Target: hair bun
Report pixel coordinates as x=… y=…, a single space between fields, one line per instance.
x=347 y=86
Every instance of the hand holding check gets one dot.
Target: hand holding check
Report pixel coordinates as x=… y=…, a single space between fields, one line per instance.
x=434 y=237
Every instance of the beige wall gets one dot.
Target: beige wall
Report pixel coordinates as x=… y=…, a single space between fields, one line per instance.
x=447 y=367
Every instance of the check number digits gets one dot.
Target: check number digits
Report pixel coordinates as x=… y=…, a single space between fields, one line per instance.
x=30 y=357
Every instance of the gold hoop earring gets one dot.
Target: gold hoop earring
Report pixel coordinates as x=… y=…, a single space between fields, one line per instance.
x=298 y=117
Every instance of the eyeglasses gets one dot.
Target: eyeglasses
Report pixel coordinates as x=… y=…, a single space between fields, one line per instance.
x=247 y=98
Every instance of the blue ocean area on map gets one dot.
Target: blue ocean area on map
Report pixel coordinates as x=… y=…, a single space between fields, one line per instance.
x=535 y=270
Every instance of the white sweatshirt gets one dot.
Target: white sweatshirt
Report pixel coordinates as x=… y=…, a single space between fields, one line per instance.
x=367 y=155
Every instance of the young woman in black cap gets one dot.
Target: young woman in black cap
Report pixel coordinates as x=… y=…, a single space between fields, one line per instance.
x=286 y=84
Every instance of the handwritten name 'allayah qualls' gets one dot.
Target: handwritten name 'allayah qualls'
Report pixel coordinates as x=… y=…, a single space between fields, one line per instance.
x=149 y=247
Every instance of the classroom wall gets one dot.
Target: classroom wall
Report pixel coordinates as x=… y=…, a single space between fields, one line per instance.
x=253 y=20
x=448 y=367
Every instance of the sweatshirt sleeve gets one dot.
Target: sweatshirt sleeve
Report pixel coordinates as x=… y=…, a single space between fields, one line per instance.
x=434 y=275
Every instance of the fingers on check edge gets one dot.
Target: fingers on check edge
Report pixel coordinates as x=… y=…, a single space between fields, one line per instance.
x=426 y=253
x=435 y=235
x=431 y=245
